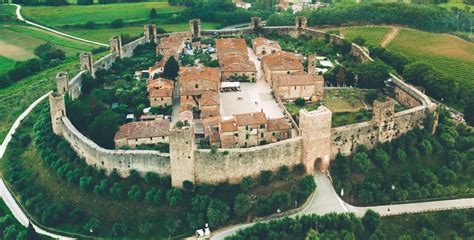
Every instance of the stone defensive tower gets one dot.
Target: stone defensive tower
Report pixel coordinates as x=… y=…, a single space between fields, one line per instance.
x=87 y=62
x=255 y=23
x=150 y=32
x=195 y=28
x=315 y=129
x=62 y=82
x=115 y=45
x=301 y=22
x=57 y=108
x=182 y=155
x=312 y=64
x=384 y=117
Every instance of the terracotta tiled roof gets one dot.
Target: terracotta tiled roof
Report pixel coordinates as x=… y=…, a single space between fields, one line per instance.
x=193 y=73
x=210 y=98
x=144 y=129
x=257 y=42
x=210 y=126
x=281 y=61
x=278 y=124
x=231 y=46
x=298 y=79
x=160 y=83
x=236 y=63
x=255 y=118
x=228 y=125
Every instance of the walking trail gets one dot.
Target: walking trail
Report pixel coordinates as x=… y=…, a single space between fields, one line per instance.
x=390 y=36
x=20 y=17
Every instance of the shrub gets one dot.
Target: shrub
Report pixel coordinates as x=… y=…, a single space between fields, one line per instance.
x=300 y=102
x=247 y=183
x=117 y=23
x=90 y=25
x=242 y=205
x=280 y=200
x=174 y=197
x=153 y=13
x=265 y=177
x=283 y=173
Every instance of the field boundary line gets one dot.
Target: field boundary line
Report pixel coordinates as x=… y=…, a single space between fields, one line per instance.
x=20 y=18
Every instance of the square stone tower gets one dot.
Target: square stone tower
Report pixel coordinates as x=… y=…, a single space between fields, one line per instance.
x=312 y=64
x=57 y=108
x=62 y=82
x=315 y=129
x=195 y=28
x=384 y=117
x=115 y=45
x=255 y=23
x=150 y=32
x=301 y=22
x=87 y=62
x=182 y=147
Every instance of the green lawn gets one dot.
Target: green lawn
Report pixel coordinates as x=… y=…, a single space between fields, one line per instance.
x=20 y=41
x=6 y=64
x=103 y=13
x=103 y=34
x=372 y=35
x=446 y=53
x=454 y=3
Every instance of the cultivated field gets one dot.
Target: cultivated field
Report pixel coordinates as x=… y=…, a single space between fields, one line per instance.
x=445 y=53
x=19 y=41
x=103 y=13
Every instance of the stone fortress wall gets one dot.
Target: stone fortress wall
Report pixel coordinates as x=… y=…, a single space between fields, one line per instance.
x=316 y=144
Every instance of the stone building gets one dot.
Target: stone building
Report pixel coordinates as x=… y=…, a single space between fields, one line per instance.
x=298 y=85
x=160 y=92
x=262 y=46
x=234 y=61
x=133 y=134
x=252 y=129
x=172 y=45
x=209 y=104
x=280 y=63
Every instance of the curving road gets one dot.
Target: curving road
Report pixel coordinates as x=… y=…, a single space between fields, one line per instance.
x=326 y=201
x=5 y=193
x=20 y=17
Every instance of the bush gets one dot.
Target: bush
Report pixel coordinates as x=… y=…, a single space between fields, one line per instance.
x=247 y=183
x=300 y=102
x=299 y=169
x=280 y=200
x=90 y=25
x=283 y=173
x=265 y=177
x=153 y=14
x=117 y=23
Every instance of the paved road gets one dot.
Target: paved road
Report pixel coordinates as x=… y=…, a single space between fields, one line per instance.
x=20 y=17
x=326 y=201
x=5 y=193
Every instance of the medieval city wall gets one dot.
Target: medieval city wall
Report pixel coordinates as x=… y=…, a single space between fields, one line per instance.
x=235 y=163
x=127 y=49
x=406 y=99
x=346 y=138
x=409 y=119
x=75 y=85
x=123 y=161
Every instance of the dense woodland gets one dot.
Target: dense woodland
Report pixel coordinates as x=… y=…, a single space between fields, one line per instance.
x=433 y=226
x=418 y=165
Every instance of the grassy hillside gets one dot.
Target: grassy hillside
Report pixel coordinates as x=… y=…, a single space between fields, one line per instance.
x=103 y=34
x=446 y=53
x=373 y=35
x=104 y=13
x=6 y=64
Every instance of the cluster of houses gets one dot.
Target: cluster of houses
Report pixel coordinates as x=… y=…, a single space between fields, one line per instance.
x=200 y=90
x=294 y=5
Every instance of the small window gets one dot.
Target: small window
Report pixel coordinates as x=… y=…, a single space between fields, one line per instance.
x=261 y=135
x=246 y=137
x=161 y=99
x=196 y=86
x=295 y=87
x=273 y=133
x=236 y=134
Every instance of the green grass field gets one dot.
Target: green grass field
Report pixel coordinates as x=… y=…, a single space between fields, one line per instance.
x=454 y=3
x=446 y=53
x=372 y=35
x=104 y=13
x=20 y=41
x=17 y=97
x=6 y=64
x=103 y=34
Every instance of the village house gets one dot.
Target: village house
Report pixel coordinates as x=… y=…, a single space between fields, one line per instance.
x=199 y=89
x=262 y=46
x=211 y=130
x=298 y=85
x=133 y=134
x=252 y=129
x=172 y=45
x=234 y=61
x=160 y=92
x=280 y=63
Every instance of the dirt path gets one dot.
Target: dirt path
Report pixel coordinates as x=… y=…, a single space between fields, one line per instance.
x=390 y=36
